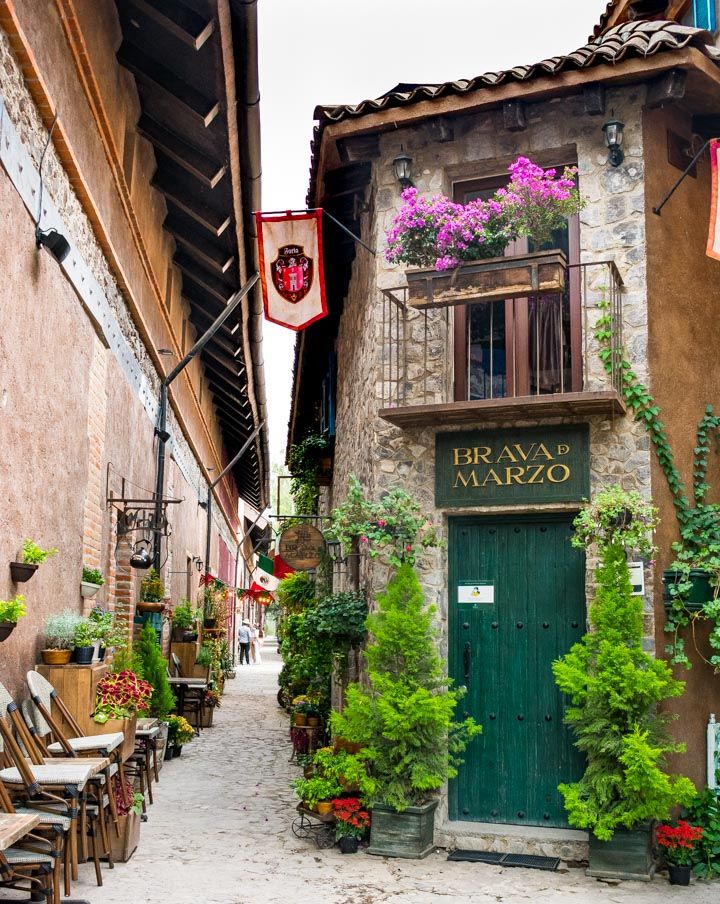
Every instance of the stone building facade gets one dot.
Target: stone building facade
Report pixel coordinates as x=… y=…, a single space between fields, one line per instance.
x=85 y=342
x=398 y=408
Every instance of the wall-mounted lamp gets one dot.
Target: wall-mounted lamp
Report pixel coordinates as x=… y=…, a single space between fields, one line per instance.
x=402 y=165
x=55 y=243
x=141 y=557
x=198 y=563
x=613 y=132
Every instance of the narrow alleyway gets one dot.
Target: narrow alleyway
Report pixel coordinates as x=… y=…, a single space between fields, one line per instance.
x=219 y=833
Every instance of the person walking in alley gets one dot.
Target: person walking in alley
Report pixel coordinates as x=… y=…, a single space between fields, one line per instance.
x=256 y=644
x=244 y=638
x=253 y=643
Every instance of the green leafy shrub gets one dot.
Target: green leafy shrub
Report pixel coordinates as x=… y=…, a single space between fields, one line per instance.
x=341 y=618
x=185 y=615
x=704 y=811
x=304 y=463
x=84 y=633
x=296 y=592
x=36 y=555
x=152 y=589
x=93 y=576
x=60 y=630
x=154 y=669
x=405 y=719
x=13 y=609
x=614 y=688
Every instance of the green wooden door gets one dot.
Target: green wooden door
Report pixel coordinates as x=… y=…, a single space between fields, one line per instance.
x=502 y=651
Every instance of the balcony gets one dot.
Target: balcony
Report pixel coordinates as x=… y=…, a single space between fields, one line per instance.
x=503 y=340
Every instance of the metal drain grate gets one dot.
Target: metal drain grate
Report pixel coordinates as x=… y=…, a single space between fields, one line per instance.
x=529 y=861
x=477 y=856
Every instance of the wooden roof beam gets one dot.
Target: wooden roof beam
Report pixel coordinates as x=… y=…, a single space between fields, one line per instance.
x=198 y=246
x=177 y=18
x=215 y=221
x=233 y=367
x=146 y=70
x=210 y=283
x=191 y=159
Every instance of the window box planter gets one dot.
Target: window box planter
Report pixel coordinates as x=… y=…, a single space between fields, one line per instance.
x=408 y=834
x=21 y=572
x=628 y=855
x=125 y=846
x=701 y=592
x=126 y=726
x=493 y=279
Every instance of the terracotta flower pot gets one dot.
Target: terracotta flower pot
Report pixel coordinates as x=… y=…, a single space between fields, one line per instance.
x=148 y=606
x=313 y=721
x=56 y=657
x=324 y=807
x=301 y=718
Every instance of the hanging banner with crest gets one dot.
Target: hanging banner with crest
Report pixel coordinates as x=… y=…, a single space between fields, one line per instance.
x=713 y=245
x=291 y=267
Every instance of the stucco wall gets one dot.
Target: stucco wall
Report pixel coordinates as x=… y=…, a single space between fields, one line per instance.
x=684 y=331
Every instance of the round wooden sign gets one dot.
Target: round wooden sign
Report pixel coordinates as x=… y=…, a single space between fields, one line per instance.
x=302 y=546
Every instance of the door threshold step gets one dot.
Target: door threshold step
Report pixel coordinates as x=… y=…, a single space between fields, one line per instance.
x=529 y=861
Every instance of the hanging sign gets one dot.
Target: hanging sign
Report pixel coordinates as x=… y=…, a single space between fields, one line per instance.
x=291 y=267
x=496 y=467
x=713 y=245
x=302 y=546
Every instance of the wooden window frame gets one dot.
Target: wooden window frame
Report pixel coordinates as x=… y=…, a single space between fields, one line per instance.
x=516 y=312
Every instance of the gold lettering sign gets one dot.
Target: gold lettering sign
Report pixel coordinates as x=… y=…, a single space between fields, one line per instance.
x=533 y=458
x=509 y=466
x=301 y=546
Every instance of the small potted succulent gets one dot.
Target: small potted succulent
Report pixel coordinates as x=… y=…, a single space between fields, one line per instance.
x=351 y=821
x=10 y=612
x=32 y=556
x=92 y=581
x=680 y=845
x=60 y=637
x=84 y=647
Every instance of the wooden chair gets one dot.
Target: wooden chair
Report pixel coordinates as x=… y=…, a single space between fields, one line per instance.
x=193 y=697
x=58 y=784
x=54 y=829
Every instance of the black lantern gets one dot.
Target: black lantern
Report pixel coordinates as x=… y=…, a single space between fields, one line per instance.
x=55 y=243
x=402 y=165
x=613 y=132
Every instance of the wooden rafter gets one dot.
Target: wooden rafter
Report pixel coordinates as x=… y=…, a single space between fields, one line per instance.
x=177 y=18
x=191 y=159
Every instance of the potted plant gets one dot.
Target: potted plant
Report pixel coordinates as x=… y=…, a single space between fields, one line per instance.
x=351 y=822
x=181 y=732
x=104 y=631
x=615 y=688
x=310 y=463
x=184 y=618
x=10 y=611
x=124 y=843
x=301 y=706
x=680 y=845
x=316 y=791
x=211 y=702
x=32 y=556
x=153 y=667
x=152 y=593
x=407 y=698
x=120 y=697
x=60 y=637
x=92 y=581
x=440 y=236
x=83 y=654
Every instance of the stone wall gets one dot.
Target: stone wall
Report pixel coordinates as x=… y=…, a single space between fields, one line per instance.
x=611 y=227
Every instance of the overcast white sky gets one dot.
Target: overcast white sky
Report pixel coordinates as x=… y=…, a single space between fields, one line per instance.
x=343 y=51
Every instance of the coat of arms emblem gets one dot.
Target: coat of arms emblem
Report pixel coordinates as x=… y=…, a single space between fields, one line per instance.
x=292 y=273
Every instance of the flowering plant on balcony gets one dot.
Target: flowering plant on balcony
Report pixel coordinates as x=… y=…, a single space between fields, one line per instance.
x=437 y=232
x=121 y=696
x=680 y=842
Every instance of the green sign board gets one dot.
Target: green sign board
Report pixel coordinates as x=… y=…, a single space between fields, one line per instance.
x=512 y=467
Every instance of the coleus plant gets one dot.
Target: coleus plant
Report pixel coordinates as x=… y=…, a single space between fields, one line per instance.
x=121 y=696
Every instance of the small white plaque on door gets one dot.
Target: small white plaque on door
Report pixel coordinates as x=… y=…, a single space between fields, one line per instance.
x=478 y=592
x=637 y=578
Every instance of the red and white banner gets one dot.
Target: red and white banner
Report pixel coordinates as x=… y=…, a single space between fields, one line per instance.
x=713 y=245
x=291 y=267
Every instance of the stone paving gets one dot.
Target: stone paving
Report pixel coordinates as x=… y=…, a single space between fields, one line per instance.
x=219 y=833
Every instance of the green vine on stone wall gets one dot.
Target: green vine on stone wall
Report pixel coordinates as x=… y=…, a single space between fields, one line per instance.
x=698 y=521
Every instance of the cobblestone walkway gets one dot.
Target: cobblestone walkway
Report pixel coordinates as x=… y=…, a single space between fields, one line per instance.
x=219 y=833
